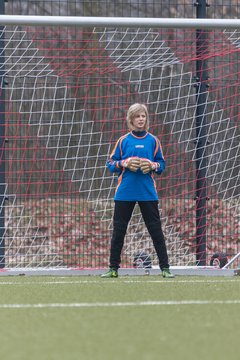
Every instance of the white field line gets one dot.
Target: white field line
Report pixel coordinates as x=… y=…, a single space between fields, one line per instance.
x=119 y=281
x=119 y=304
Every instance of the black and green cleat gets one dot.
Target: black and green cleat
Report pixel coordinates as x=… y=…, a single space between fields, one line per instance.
x=167 y=274
x=111 y=273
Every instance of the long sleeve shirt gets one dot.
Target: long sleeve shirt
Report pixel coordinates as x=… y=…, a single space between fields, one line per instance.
x=136 y=186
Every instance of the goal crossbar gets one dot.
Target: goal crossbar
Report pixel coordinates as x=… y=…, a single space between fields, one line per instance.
x=86 y=21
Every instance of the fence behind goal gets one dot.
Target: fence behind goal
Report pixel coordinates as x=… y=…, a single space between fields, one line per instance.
x=65 y=91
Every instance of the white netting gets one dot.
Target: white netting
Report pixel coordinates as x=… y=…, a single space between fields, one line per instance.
x=63 y=95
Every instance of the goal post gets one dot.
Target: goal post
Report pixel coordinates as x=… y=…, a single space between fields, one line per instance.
x=129 y=22
x=68 y=82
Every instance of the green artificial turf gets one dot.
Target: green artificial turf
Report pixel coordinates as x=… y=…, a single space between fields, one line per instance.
x=143 y=318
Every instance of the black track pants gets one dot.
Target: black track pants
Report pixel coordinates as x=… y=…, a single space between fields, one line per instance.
x=122 y=215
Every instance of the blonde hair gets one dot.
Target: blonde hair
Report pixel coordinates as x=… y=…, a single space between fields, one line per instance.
x=133 y=111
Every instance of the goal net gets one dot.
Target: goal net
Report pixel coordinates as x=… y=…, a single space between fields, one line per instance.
x=64 y=96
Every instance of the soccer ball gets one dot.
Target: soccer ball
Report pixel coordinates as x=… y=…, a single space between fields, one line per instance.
x=142 y=260
x=219 y=260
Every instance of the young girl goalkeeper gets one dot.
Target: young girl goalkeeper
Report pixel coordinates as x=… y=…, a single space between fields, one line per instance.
x=137 y=157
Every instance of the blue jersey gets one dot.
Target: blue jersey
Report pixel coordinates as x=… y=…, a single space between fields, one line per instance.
x=136 y=186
